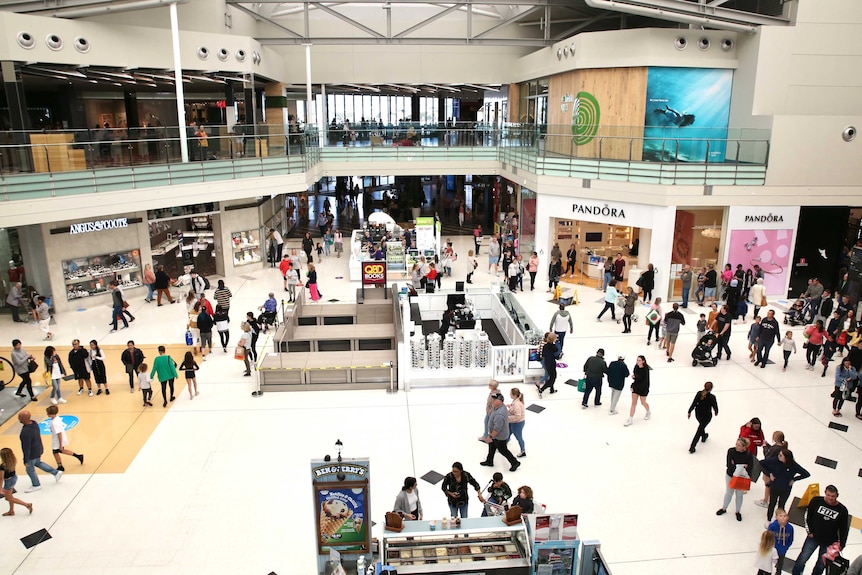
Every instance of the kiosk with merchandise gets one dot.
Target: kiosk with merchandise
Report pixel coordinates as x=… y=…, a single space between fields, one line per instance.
x=91 y=275
x=386 y=236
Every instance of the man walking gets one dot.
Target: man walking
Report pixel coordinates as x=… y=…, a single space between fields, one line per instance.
x=31 y=445
x=78 y=357
x=770 y=332
x=163 y=285
x=619 y=269
x=498 y=434
x=132 y=357
x=117 y=306
x=721 y=327
x=685 y=277
x=710 y=283
x=618 y=371
x=672 y=321
x=13 y=301
x=594 y=370
x=827 y=522
x=558 y=326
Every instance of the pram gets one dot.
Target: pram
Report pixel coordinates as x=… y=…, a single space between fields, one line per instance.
x=621 y=303
x=796 y=314
x=703 y=352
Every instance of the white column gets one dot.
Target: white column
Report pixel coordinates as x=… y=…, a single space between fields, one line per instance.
x=178 y=81
x=322 y=116
x=308 y=95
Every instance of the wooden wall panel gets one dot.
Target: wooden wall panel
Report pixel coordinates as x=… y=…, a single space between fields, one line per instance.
x=514 y=103
x=621 y=94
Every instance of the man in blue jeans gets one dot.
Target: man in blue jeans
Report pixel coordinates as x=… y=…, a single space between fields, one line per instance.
x=117 y=306
x=31 y=444
x=558 y=326
x=827 y=521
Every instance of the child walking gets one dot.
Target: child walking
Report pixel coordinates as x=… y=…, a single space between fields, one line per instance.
x=782 y=530
x=190 y=367
x=59 y=439
x=144 y=384
x=753 y=335
x=10 y=478
x=767 y=556
x=787 y=345
x=474 y=264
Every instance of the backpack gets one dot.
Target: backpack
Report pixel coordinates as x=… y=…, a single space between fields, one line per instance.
x=206 y=282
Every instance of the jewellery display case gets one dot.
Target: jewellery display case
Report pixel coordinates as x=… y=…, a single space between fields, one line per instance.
x=483 y=544
x=89 y=276
x=246 y=247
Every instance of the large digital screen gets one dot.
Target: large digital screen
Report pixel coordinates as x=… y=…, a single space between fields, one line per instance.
x=687 y=113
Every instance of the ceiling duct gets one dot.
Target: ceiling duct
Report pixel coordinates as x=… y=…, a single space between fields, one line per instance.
x=689 y=13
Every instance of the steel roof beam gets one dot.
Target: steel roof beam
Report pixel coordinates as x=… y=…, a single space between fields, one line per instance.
x=261 y=18
x=427 y=21
x=347 y=19
x=341 y=41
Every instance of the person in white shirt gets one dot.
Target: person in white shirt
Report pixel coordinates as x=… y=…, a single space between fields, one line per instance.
x=59 y=439
x=558 y=325
x=292 y=278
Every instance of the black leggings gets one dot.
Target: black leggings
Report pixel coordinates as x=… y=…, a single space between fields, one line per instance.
x=608 y=306
x=701 y=431
x=552 y=378
x=648 y=294
x=252 y=351
x=165 y=384
x=653 y=327
x=570 y=266
x=26 y=383
x=148 y=394
x=812 y=353
x=776 y=496
x=627 y=322
x=532 y=280
x=837 y=399
x=224 y=336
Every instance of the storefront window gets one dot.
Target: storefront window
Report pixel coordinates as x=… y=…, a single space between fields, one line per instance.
x=527 y=223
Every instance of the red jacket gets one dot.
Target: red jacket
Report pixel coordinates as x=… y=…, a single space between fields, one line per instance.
x=755 y=437
x=284 y=265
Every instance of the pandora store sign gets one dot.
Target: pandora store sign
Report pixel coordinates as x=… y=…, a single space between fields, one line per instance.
x=599 y=210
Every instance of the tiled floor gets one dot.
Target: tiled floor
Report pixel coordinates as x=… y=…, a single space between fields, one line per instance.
x=221 y=483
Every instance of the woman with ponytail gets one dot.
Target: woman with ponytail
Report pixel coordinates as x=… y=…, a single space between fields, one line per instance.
x=703 y=405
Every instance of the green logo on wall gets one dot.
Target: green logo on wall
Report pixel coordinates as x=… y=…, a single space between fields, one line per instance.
x=585 y=118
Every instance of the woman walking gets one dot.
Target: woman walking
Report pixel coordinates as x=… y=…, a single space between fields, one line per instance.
x=97 y=366
x=846 y=379
x=532 y=269
x=338 y=240
x=647 y=282
x=629 y=309
x=54 y=366
x=549 y=361
x=407 y=503
x=165 y=369
x=455 y=487
x=255 y=332
x=194 y=310
x=611 y=295
x=311 y=282
x=703 y=405
x=308 y=246
x=10 y=479
x=757 y=296
x=737 y=456
x=571 y=256
x=245 y=343
x=21 y=364
x=44 y=317
x=517 y=418
x=150 y=282
x=222 y=324
x=783 y=472
x=640 y=388
x=655 y=325
x=190 y=366
x=554 y=272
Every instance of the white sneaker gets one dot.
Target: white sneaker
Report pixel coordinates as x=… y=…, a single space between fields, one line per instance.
x=761 y=503
x=647 y=416
x=54 y=401
x=80 y=391
x=613 y=412
x=61 y=400
x=131 y=390
x=90 y=393
x=628 y=422
x=58 y=476
x=33 y=488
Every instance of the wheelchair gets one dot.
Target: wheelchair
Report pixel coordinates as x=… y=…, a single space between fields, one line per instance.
x=267 y=319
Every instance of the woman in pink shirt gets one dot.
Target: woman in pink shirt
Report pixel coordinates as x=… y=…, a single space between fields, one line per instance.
x=816 y=335
x=532 y=268
x=517 y=419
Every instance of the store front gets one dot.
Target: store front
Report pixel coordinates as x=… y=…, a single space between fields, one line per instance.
x=697 y=237
x=600 y=229
x=182 y=239
x=762 y=236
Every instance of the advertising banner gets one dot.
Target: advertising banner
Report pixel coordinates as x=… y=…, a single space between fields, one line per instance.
x=341 y=517
x=687 y=112
x=374 y=273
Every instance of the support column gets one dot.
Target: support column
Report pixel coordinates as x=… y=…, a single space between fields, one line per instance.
x=132 y=120
x=322 y=117
x=13 y=85
x=441 y=110
x=251 y=117
x=414 y=108
x=276 y=117
x=230 y=107
x=178 y=84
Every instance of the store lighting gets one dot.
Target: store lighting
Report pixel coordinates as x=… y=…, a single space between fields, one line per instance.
x=712 y=233
x=338 y=447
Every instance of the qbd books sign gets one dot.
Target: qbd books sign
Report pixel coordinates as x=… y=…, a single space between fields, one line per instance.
x=687 y=112
x=373 y=272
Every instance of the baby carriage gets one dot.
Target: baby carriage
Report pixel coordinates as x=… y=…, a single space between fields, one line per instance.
x=621 y=303
x=703 y=352
x=796 y=314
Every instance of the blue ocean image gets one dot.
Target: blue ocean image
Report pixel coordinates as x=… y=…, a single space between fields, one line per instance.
x=687 y=112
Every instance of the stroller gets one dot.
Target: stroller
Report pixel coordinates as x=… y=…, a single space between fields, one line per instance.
x=703 y=352
x=796 y=314
x=621 y=303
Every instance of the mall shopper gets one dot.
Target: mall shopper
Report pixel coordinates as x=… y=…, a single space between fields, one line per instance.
x=647 y=283
x=308 y=246
x=291 y=278
x=8 y=462
x=770 y=333
x=222 y=325
x=489 y=407
x=767 y=554
x=655 y=323
x=788 y=346
x=703 y=405
x=311 y=283
x=205 y=328
x=190 y=367
x=640 y=389
x=550 y=355
x=554 y=272
x=517 y=418
x=629 y=309
x=407 y=503
x=494 y=254
x=59 y=439
x=54 y=366
x=31 y=446
x=524 y=499
x=559 y=321
x=338 y=243
x=498 y=434
x=14 y=300
x=163 y=285
x=150 y=282
x=117 y=306
x=165 y=369
x=722 y=328
x=783 y=532
x=21 y=364
x=533 y=269
x=132 y=358
x=78 y=360
x=44 y=317
x=753 y=432
x=685 y=277
x=223 y=295
x=673 y=320
x=757 y=295
x=594 y=371
x=783 y=472
x=499 y=493
x=97 y=363
x=778 y=443
x=611 y=295
x=618 y=371
x=194 y=310
x=245 y=343
x=571 y=257
x=828 y=522
x=753 y=337
x=737 y=456
x=846 y=379
x=455 y=487
x=144 y=385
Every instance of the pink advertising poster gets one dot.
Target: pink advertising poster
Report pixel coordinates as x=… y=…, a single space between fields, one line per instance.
x=770 y=249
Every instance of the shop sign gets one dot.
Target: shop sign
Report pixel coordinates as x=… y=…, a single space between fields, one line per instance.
x=594 y=210
x=374 y=272
x=768 y=218
x=345 y=468
x=99 y=225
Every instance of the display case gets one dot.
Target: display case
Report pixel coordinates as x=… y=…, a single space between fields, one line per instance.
x=483 y=545
x=89 y=276
x=395 y=257
x=246 y=247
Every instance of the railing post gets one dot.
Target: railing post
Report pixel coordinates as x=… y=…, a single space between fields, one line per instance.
x=676 y=152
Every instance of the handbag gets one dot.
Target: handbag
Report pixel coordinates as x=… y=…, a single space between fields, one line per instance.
x=842 y=338
x=239 y=353
x=125 y=304
x=32 y=366
x=763 y=301
x=190 y=340
x=652 y=316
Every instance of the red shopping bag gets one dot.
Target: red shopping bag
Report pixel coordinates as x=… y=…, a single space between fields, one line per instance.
x=740 y=483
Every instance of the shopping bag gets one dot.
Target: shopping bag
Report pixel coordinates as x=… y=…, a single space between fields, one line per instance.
x=813 y=490
x=190 y=340
x=582 y=384
x=740 y=480
x=239 y=353
x=652 y=316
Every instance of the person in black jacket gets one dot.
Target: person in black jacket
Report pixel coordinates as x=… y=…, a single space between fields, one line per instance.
x=31 y=445
x=308 y=246
x=737 y=455
x=162 y=285
x=828 y=522
x=770 y=332
x=783 y=472
x=205 y=326
x=455 y=487
x=703 y=405
x=117 y=306
x=549 y=361
x=647 y=283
